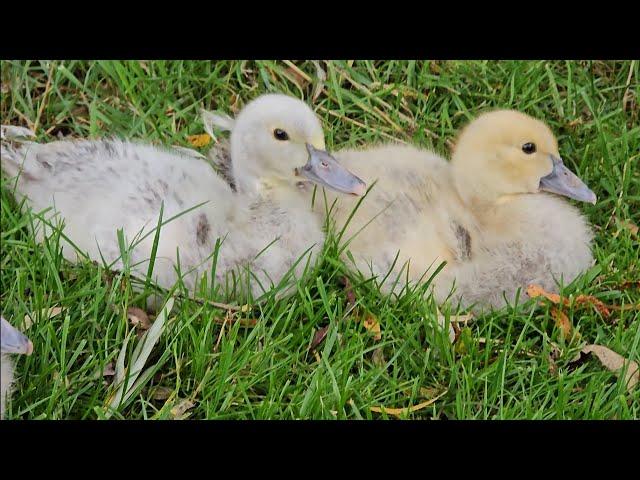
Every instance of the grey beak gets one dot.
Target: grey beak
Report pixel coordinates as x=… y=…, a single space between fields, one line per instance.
x=12 y=340
x=563 y=181
x=325 y=170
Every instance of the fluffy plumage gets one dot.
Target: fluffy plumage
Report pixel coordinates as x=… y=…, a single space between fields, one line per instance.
x=483 y=213
x=99 y=186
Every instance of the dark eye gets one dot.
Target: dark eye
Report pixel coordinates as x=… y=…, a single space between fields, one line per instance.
x=324 y=164
x=280 y=134
x=529 y=148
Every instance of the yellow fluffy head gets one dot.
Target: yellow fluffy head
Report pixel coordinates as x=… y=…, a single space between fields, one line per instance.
x=505 y=152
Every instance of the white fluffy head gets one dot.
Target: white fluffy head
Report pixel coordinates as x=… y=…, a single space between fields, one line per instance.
x=268 y=141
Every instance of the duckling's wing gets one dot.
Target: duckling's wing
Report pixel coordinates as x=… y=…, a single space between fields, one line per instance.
x=220 y=157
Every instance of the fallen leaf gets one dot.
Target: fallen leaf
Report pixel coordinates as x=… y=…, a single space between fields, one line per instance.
x=399 y=412
x=605 y=310
x=178 y=412
x=629 y=284
x=138 y=318
x=199 y=140
x=632 y=227
x=377 y=357
x=615 y=363
x=562 y=322
x=348 y=290
x=371 y=324
x=536 y=291
x=46 y=313
x=109 y=370
x=320 y=335
x=161 y=393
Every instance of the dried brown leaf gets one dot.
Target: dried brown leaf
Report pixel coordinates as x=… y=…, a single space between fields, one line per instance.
x=348 y=290
x=371 y=324
x=632 y=227
x=138 y=318
x=46 y=314
x=537 y=291
x=178 y=411
x=161 y=393
x=199 y=140
x=109 y=370
x=615 y=363
x=377 y=357
x=562 y=322
x=318 y=338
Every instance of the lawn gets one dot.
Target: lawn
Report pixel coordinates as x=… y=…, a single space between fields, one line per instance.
x=509 y=364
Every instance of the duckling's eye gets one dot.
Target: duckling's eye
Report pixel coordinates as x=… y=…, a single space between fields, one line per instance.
x=324 y=164
x=280 y=134
x=529 y=148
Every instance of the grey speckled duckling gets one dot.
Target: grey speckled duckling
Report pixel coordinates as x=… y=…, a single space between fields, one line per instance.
x=11 y=342
x=99 y=186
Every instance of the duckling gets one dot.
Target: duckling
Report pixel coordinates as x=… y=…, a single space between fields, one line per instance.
x=11 y=342
x=485 y=213
x=99 y=186
x=509 y=174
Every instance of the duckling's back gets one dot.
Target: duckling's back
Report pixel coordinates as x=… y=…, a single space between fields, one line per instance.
x=411 y=209
x=100 y=186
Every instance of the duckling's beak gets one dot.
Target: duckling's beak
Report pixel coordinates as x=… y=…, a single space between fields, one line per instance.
x=13 y=341
x=563 y=181
x=325 y=170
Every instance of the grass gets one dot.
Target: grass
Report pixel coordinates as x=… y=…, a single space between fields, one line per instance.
x=501 y=367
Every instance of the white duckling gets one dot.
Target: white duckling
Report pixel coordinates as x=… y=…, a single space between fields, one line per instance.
x=99 y=186
x=484 y=213
x=11 y=342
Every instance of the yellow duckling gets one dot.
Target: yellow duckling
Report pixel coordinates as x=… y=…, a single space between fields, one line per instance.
x=486 y=213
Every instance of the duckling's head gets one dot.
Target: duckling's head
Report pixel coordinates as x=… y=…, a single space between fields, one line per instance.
x=12 y=340
x=277 y=141
x=505 y=153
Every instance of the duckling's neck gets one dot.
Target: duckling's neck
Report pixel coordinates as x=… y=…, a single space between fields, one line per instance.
x=473 y=197
x=287 y=195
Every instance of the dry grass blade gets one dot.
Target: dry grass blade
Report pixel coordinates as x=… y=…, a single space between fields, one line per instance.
x=128 y=380
x=399 y=412
x=321 y=77
x=223 y=306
